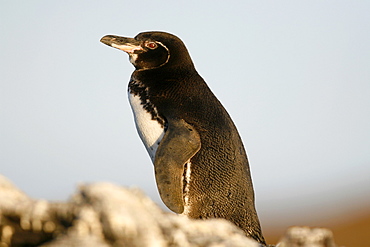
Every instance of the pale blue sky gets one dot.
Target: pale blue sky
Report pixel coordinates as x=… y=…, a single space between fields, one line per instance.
x=294 y=76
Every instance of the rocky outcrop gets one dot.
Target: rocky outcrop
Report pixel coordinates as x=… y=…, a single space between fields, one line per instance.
x=103 y=215
x=305 y=236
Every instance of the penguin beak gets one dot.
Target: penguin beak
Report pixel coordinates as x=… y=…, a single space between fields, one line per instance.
x=128 y=45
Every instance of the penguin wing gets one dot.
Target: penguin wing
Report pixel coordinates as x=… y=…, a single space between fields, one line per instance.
x=179 y=144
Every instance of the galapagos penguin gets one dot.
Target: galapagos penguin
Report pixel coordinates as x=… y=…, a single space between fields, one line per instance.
x=201 y=167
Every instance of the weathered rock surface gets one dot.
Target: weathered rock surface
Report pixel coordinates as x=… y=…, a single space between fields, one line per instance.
x=305 y=236
x=103 y=215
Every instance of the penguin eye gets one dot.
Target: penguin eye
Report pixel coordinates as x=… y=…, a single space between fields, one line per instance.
x=151 y=45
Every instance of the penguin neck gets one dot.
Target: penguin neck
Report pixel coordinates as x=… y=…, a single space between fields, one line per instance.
x=165 y=73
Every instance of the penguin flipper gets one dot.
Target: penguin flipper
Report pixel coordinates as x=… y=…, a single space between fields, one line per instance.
x=179 y=144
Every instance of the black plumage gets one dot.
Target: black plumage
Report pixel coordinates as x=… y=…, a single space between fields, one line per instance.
x=200 y=162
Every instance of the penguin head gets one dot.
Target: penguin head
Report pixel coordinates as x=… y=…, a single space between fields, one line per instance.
x=152 y=50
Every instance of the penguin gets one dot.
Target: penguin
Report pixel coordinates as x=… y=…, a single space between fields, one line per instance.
x=200 y=163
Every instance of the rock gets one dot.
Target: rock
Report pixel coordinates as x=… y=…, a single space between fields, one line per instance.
x=104 y=215
x=306 y=237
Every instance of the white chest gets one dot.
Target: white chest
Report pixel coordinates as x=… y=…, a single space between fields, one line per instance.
x=150 y=131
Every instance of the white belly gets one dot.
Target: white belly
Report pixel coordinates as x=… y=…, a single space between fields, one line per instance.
x=150 y=131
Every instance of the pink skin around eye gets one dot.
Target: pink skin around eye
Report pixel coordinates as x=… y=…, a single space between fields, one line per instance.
x=152 y=45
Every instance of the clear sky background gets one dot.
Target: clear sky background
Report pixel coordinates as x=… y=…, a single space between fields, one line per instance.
x=294 y=76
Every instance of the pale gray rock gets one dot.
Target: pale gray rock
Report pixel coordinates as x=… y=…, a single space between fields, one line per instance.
x=299 y=236
x=103 y=215
x=107 y=215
